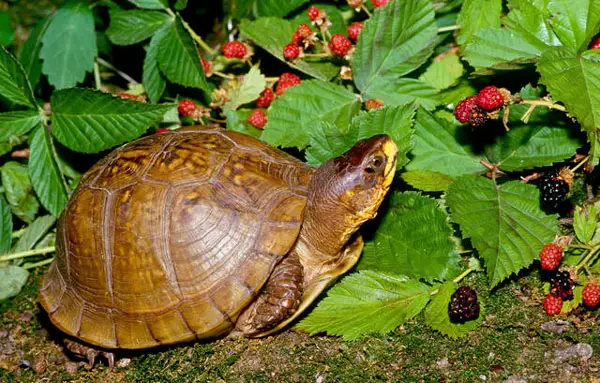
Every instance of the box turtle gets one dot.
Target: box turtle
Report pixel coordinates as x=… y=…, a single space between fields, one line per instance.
x=202 y=232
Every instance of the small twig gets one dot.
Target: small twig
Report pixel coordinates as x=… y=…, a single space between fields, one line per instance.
x=38 y=264
x=18 y=233
x=463 y=275
x=364 y=8
x=223 y=75
x=195 y=36
x=449 y=28
x=582 y=162
x=28 y=253
x=547 y=104
x=97 y=79
x=108 y=65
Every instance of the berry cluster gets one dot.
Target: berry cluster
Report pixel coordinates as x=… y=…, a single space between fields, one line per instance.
x=477 y=110
x=463 y=305
x=258 y=117
x=561 y=289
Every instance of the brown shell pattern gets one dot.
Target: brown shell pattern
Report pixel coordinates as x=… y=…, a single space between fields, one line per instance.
x=169 y=237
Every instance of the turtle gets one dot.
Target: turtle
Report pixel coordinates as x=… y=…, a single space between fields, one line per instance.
x=204 y=232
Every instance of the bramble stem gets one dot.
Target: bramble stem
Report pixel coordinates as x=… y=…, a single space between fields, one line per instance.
x=28 y=253
x=18 y=233
x=463 y=275
x=547 y=104
x=127 y=77
x=38 y=264
x=97 y=79
x=197 y=38
x=366 y=10
x=449 y=28
x=580 y=163
x=588 y=259
x=223 y=75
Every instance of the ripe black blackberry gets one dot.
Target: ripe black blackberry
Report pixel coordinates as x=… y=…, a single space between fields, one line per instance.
x=554 y=187
x=561 y=285
x=478 y=117
x=463 y=305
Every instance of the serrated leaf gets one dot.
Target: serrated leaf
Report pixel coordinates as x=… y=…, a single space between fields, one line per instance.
x=149 y=4
x=30 y=54
x=505 y=222
x=532 y=21
x=154 y=81
x=327 y=141
x=367 y=302
x=14 y=86
x=585 y=223
x=404 y=33
x=413 y=239
x=294 y=115
x=277 y=8
x=18 y=191
x=280 y=34
x=443 y=72
x=402 y=91
x=575 y=81
x=575 y=22
x=237 y=120
x=501 y=49
x=248 y=90
x=427 y=180
x=69 y=45
x=91 y=121
x=130 y=27
x=436 y=314
x=475 y=15
x=178 y=58
x=46 y=177
x=437 y=149
x=15 y=124
x=6 y=226
x=12 y=280
x=34 y=233
x=572 y=304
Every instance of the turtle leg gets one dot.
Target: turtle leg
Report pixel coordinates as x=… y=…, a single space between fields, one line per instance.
x=277 y=301
x=84 y=351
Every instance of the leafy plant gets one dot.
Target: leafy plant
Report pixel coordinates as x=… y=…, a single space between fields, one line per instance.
x=461 y=187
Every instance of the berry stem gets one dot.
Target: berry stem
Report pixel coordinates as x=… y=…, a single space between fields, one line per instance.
x=456 y=280
x=449 y=28
x=548 y=104
x=582 y=162
x=28 y=253
x=108 y=65
x=588 y=259
x=18 y=233
x=223 y=75
x=364 y=8
x=97 y=79
x=38 y=264
x=195 y=36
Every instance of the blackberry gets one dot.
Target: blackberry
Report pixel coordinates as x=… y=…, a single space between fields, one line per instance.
x=463 y=305
x=561 y=285
x=554 y=187
x=478 y=117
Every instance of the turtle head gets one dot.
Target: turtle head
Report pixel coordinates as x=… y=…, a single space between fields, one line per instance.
x=362 y=176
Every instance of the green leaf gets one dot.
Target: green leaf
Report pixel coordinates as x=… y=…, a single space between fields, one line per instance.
x=238 y=9
x=17 y=123
x=572 y=304
x=575 y=22
x=584 y=223
x=437 y=149
x=338 y=24
x=178 y=57
x=504 y=222
x=154 y=81
x=443 y=72
x=131 y=27
x=12 y=280
x=18 y=191
x=427 y=180
x=533 y=22
x=404 y=33
x=6 y=226
x=34 y=233
x=46 y=177
x=7 y=34
x=14 y=86
x=280 y=34
x=237 y=120
x=500 y=49
x=403 y=91
x=367 y=302
x=91 y=121
x=413 y=239
x=327 y=141
x=475 y=15
x=295 y=114
x=150 y=4
x=69 y=45
x=575 y=81
x=30 y=54
x=277 y=8
x=248 y=90
x=436 y=314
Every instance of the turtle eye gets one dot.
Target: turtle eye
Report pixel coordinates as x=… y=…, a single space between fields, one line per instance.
x=375 y=165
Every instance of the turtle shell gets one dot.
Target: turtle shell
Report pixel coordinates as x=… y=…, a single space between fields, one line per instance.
x=171 y=236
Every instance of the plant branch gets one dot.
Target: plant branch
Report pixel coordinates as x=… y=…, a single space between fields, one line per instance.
x=38 y=264
x=28 y=253
x=449 y=28
x=108 y=65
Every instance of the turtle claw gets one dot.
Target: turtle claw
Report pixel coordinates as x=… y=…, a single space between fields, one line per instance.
x=83 y=351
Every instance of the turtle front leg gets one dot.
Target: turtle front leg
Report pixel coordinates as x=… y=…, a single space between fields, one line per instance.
x=277 y=301
x=83 y=351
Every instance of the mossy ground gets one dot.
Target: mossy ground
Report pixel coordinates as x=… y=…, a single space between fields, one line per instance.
x=509 y=343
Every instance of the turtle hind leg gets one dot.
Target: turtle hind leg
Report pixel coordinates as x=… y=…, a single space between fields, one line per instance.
x=83 y=351
x=277 y=301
